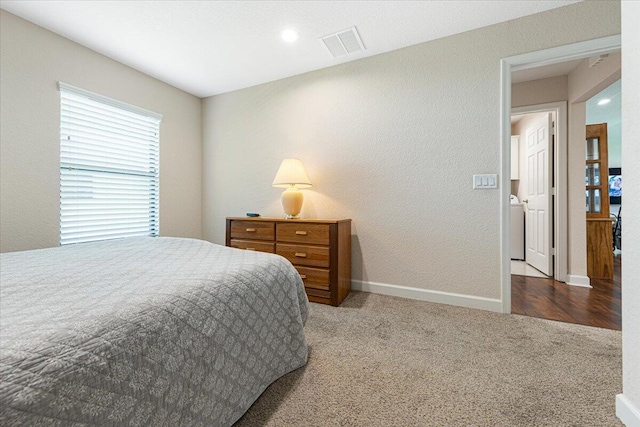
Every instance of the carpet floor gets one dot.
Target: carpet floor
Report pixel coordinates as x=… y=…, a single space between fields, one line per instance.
x=385 y=361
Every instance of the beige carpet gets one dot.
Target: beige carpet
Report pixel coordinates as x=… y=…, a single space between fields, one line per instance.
x=384 y=361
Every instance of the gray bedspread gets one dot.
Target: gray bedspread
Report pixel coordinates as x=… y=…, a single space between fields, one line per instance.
x=144 y=331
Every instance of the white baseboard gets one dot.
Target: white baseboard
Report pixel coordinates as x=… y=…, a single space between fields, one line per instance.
x=575 y=280
x=440 y=297
x=627 y=412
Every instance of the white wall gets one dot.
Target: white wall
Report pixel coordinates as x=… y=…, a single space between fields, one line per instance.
x=630 y=163
x=542 y=91
x=32 y=62
x=389 y=141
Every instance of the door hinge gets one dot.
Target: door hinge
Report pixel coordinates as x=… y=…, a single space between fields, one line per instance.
x=553 y=128
x=553 y=191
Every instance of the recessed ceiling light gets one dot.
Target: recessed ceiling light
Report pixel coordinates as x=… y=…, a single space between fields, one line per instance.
x=604 y=101
x=289 y=35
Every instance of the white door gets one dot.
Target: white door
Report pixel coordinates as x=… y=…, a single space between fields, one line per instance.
x=538 y=202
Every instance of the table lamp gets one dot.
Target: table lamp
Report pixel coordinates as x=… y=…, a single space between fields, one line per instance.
x=291 y=176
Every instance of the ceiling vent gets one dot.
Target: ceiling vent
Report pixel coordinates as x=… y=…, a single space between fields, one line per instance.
x=594 y=61
x=343 y=42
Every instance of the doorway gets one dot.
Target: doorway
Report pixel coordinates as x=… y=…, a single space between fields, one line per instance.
x=548 y=240
x=536 y=135
x=577 y=53
x=604 y=117
x=539 y=199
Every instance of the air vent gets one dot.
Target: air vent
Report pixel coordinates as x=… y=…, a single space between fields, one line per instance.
x=343 y=42
x=594 y=61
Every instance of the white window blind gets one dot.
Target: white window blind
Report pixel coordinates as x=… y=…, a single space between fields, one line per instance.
x=108 y=168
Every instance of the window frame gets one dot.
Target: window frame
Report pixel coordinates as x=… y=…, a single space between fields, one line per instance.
x=117 y=180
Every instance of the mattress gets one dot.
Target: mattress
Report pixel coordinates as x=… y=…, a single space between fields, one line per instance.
x=144 y=331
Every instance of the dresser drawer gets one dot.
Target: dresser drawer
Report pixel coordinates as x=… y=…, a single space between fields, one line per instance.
x=313 y=256
x=253 y=230
x=252 y=245
x=315 y=234
x=315 y=278
x=318 y=294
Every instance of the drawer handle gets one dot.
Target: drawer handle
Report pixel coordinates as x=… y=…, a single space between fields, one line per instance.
x=250 y=249
x=301 y=254
x=303 y=276
x=251 y=230
x=301 y=233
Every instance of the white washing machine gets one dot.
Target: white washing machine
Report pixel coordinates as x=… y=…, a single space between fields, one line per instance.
x=517 y=230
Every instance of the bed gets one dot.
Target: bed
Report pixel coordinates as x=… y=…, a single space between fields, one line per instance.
x=144 y=331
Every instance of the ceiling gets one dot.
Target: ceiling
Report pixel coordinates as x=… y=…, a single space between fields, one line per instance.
x=546 y=71
x=610 y=113
x=207 y=47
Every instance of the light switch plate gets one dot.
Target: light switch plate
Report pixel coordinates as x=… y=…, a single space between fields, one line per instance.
x=485 y=181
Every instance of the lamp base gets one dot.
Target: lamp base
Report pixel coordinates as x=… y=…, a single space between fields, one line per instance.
x=292 y=202
x=292 y=216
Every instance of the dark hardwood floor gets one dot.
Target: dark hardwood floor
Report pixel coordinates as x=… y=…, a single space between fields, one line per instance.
x=549 y=299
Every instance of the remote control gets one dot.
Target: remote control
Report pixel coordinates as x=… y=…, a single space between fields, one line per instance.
x=252 y=215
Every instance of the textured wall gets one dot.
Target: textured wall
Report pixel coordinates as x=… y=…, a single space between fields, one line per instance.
x=32 y=62
x=630 y=163
x=391 y=141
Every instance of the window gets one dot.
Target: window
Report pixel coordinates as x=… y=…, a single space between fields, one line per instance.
x=108 y=168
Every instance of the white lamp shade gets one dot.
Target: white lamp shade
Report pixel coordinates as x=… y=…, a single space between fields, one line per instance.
x=291 y=173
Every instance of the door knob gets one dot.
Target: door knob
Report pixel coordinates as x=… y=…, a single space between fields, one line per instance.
x=525 y=201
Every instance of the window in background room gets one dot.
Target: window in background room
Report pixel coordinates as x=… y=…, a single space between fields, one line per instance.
x=109 y=172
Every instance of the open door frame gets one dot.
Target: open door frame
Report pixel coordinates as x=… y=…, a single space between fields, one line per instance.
x=521 y=62
x=560 y=209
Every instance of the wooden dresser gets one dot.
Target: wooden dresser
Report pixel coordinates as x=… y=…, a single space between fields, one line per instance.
x=319 y=249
